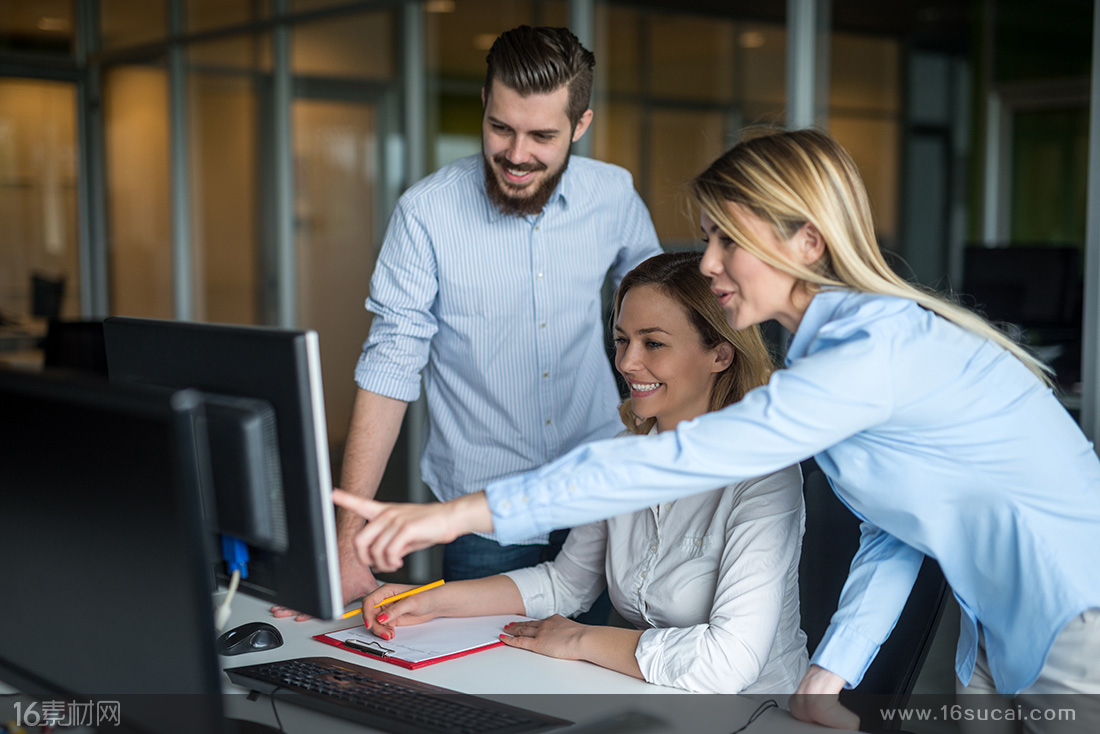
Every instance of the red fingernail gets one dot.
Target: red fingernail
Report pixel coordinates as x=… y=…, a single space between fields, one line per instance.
x=383 y=617
x=386 y=635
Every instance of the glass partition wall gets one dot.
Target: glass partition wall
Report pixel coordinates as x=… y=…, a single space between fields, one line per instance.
x=38 y=200
x=343 y=89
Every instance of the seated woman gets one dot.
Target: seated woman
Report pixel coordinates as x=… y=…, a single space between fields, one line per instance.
x=710 y=581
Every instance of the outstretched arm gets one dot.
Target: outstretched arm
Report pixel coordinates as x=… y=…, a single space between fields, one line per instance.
x=813 y=404
x=394 y=530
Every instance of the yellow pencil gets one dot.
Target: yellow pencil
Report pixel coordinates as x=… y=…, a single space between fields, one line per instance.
x=395 y=597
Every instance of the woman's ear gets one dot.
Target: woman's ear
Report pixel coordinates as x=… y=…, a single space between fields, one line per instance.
x=810 y=244
x=723 y=357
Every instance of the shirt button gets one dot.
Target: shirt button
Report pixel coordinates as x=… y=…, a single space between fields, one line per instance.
x=644 y=574
x=525 y=499
x=547 y=421
x=506 y=504
x=540 y=276
x=542 y=325
x=572 y=489
x=545 y=374
x=699 y=541
x=653 y=547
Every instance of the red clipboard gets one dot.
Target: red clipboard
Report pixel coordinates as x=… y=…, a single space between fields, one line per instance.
x=378 y=651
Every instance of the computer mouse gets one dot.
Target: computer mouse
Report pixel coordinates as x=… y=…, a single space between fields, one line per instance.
x=251 y=637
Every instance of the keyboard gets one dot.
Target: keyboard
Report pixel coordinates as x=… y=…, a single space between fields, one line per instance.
x=385 y=701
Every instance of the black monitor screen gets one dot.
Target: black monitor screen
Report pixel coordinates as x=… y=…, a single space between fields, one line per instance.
x=106 y=585
x=277 y=367
x=1036 y=287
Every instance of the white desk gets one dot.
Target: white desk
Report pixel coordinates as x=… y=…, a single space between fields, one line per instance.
x=560 y=688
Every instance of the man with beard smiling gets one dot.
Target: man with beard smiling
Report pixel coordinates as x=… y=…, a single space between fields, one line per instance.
x=489 y=281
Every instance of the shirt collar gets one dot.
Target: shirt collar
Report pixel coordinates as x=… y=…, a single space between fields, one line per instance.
x=818 y=313
x=561 y=193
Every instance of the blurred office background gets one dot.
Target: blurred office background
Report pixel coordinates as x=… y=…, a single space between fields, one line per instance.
x=236 y=160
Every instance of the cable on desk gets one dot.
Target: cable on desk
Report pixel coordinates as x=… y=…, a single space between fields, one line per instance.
x=221 y=614
x=276 y=711
x=769 y=704
x=235 y=553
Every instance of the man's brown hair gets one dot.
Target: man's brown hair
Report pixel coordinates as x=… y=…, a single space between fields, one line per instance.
x=540 y=61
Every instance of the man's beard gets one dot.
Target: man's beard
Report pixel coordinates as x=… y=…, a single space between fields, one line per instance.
x=521 y=206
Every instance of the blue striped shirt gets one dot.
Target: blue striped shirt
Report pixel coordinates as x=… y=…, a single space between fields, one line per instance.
x=504 y=316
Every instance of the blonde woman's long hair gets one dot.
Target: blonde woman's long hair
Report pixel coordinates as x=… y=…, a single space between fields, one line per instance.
x=796 y=177
x=677 y=275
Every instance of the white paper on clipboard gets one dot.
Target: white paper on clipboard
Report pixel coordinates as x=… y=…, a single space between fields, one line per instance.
x=438 y=638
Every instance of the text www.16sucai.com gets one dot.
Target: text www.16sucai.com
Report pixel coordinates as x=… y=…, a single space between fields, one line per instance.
x=958 y=712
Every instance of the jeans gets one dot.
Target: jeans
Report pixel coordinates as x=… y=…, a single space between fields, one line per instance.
x=474 y=557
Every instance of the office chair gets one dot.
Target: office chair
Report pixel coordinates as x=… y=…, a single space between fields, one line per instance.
x=47 y=294
x=830 y=542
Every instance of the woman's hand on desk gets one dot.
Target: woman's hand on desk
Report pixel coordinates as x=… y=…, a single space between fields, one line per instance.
x=560 y=637
x=394 y=530
x=556 y=637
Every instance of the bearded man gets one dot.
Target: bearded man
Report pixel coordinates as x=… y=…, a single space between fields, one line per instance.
x=489 y=283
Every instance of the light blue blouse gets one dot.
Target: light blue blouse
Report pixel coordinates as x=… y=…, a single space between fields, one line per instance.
x=940 y=441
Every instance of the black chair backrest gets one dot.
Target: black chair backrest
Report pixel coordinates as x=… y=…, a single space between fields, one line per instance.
x=830 y=542
x=47 y=293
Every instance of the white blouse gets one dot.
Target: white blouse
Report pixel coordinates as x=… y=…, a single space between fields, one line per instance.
x=711 y=578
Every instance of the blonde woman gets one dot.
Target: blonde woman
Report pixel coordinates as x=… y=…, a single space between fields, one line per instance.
x=939 y=432
x=709 y=582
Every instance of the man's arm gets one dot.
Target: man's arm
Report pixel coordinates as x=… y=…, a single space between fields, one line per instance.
x=372 y=434
x=402 y=291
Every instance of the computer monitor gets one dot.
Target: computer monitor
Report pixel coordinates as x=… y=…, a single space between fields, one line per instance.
x=280 y=368
x=1033 y=286
x=106 y=584
x=1036 y=288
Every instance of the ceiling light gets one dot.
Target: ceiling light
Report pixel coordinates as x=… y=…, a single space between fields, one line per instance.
x=751 y=39
x=484 y=41
x=53 y=24
x=439 y=6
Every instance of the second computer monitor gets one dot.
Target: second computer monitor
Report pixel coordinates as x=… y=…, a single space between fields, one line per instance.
x=277 y=367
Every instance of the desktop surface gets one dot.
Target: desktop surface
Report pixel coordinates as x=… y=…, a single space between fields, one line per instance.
x=593 y=697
